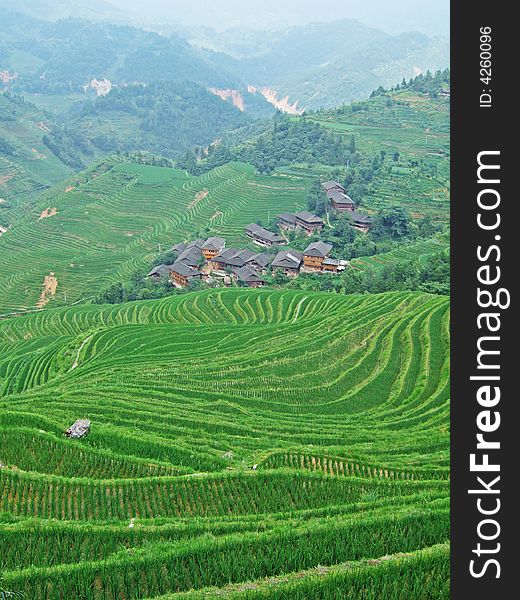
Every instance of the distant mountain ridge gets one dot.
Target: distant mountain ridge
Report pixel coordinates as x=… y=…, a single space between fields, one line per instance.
x=322 y=65
x=52 y=10
x=63 y=56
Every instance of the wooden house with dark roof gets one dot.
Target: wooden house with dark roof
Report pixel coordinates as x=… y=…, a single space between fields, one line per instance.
x=159 y=273
x=191 y=256
x=212 y=246
x=220 y=260
x=340 y=201
x=361 y=222
x=315 y=254
x=260 y=262
x=287 y=221
x=248 y=277
x=332 y=265
x=231 y=258
x=178 y=248
x=182 y=274
x=308 y=222
x=262 y=236
x=329 y=186
x=288 y=261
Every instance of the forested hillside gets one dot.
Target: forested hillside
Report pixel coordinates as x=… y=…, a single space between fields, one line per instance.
x=308 y=67
x=164 y=118
x=62 y=56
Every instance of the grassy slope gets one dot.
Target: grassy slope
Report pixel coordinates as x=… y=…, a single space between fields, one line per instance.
x=341 y=401
x=112 y=223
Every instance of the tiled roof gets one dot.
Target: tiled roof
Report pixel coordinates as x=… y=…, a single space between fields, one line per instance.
x=289 y=217
x=308 y=217
x=184 y=270
x=339 y=197
x=287 y=258
x=247 y=275
x=160 y=270
x=330 y=185
x=214 y=243
x=361 y=218
x=317 y=249
x=263 y=233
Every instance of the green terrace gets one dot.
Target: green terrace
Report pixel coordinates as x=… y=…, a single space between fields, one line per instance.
x=99 y=227
x=236 y=435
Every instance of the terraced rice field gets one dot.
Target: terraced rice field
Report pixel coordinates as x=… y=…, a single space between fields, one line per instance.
x=421 y=250
x=244 y=443
x=106 y=224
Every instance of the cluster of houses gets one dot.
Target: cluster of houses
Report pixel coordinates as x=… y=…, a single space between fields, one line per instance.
x=211 y=260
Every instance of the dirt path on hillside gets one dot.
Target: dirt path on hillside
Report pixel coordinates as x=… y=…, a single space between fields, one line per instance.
x=50 y=285
x=198 y=198
x=76 y=361
x=48 y=212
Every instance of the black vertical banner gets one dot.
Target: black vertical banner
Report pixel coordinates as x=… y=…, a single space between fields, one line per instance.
x=485 y=249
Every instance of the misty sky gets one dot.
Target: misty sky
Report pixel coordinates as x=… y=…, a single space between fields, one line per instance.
x=394 y=16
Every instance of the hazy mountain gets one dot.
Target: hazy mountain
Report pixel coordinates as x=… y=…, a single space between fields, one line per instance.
x=322 y=64
x=53 y=10
x=394 y=17
x=303 y=67
x=63 y=56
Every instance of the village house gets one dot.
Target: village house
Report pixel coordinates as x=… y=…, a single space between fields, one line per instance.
x=338 y=197
x=330 y=186
x=308 y=222
x=341 y=202
x=181 y=247
x=332 y=265
x=230 y=258
x=212 y=246
x=303 y=220
x=248 y=277
x=159 y=273
x=315 y=254
x=178 y=248
x=182 y=274
x=262 y=236
x=287 y=221
x=260 y=262
x=233 y=258
x=361 y=222
x=191 y=256
x=288 y=261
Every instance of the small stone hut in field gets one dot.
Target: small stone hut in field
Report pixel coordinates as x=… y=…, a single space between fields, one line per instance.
x=78 y=429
